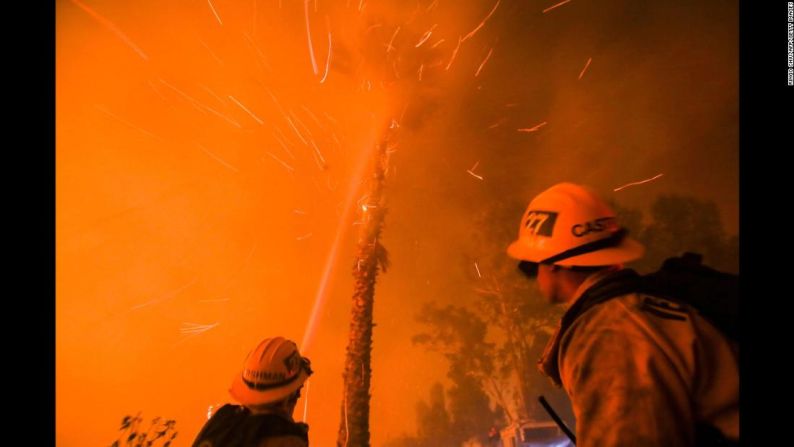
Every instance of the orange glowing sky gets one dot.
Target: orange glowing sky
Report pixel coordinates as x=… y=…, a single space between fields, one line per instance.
x=185 y=198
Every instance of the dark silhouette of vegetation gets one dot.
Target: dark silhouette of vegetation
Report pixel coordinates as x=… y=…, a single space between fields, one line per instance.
x=678 y=224
x=160 y=433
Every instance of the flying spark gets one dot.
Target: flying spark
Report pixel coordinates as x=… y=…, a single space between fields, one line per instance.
x=193 y=328
x=328 y=61
x=478 y=270
x=304 y=237
x=533 y=129
x=218 y=159
x=209 y=50
x=454 y=53
x=306 y=399
x=471 y=171
x=555 y=6
x=127 y=122
x=314 y=118
x=167 y=295
x=246 y=109
x=483 y=22
x=289 y=120
x=637 y=183
x=219 y=300
x=284 y=114
x=319 y=157
x=213 y=94
x=215 y=12
x=108 y=24
x=283 y=145
x=261 y=55
x=426 y=35
x=201 y=107
x=303 y=126
x=585 y=67
x=497 y=124
x=389 y=47
x=289 y=168
x=309 y=36
x=192 y=101
x=483 y=62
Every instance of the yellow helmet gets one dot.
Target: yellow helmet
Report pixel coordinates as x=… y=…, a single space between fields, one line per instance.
x=569 y=225
x=271 y=372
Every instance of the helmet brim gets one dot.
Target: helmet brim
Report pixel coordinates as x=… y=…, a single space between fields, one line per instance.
x=247 y=396
x=628 y=250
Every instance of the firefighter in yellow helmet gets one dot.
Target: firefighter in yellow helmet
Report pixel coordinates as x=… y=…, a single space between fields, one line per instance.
x=639 y=370
x=268 y=388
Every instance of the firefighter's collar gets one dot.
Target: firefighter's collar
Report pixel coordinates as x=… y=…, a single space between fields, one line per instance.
x=589 y=282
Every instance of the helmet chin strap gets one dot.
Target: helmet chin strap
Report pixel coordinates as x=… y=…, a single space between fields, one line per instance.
x=613 y=240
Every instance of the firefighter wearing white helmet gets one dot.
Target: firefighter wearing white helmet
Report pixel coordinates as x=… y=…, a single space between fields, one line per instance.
x=640 y=370
x=268 y=388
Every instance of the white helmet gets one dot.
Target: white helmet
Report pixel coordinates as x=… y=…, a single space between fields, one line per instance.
x=272 y=371
x=569 y=225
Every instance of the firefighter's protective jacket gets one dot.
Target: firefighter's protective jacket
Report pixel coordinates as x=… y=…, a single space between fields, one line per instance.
x=236 y=426
x=643 y=371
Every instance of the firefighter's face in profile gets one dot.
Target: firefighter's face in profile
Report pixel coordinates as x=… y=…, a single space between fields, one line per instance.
x=548 y=283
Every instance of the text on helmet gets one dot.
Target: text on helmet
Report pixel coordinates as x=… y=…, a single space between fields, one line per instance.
x=260 y=376
x=595 y=226
x=540 y=223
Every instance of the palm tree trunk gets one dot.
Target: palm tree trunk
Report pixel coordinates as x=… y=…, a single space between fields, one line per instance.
x=371 y=257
